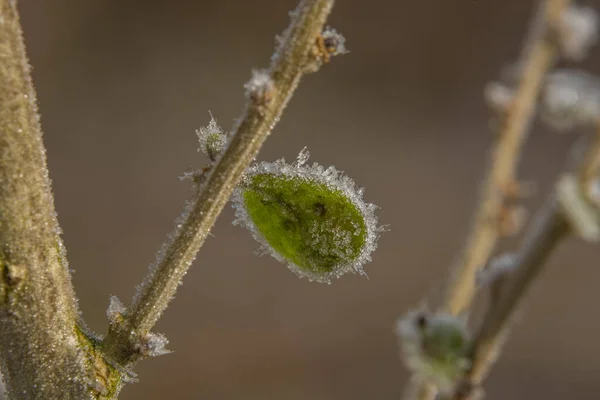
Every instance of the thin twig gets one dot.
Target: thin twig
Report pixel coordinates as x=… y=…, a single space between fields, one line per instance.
x=546 y=232
x=540 y=241
x=539 y=55
x=290 y=62
x=41 y=347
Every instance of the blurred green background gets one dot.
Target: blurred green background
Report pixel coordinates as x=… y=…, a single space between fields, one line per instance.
x=122 y=86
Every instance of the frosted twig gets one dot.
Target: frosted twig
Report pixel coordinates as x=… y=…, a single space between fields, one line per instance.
x=41 y=348
x=539 y=55
x=264 y=108
x=549 y=227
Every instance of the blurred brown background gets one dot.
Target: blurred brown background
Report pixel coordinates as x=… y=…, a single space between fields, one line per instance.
x=122 y=85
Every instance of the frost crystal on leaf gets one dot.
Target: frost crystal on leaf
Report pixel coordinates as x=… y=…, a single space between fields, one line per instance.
x=435 y=347
x=570 y=98
x=577 y=31
x=312 y=218
x=212 y=139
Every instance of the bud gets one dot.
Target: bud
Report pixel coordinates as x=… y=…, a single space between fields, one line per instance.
x=577 y=31
x=435 y=347
x=212 y=139
x=570 y=98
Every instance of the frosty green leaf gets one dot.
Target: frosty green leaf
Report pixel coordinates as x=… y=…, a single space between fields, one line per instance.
x=312 y=218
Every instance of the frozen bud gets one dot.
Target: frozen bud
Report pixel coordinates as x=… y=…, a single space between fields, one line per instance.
x=498 y=96
x=153 y=345
x=334 y=43
x=212 y=139
x=260 y=86
x=435 y=347
x=577 y=31
x=311 y=218
x=329 y=43
x=570 y=98
x=115 y=311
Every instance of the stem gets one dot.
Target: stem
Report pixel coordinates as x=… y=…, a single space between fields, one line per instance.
x=549 y=228
x=540 y=56
x=40 y=344
x=547 y=231
x=289 y=63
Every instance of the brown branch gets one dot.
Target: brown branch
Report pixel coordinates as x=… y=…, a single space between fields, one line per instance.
x=548 y=229
x=539 y=58
x=40 y=344
x=539 y=55
x=294 y=58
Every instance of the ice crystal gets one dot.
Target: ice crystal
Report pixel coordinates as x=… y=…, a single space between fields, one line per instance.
x=435 y=347
x=312 y=218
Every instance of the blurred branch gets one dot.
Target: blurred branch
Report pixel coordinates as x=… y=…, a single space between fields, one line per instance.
x=509 y=292
x=539 y=55
x=295 y=56
x=40 y=343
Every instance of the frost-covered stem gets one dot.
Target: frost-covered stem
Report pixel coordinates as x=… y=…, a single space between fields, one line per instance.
x=260 y=116
x=40 y=345
x=539 y=56
x=548 y=229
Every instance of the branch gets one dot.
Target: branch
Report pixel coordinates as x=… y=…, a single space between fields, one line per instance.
x=539 y=57
x=40 y=343
x=549 y=228
x=295 y=56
